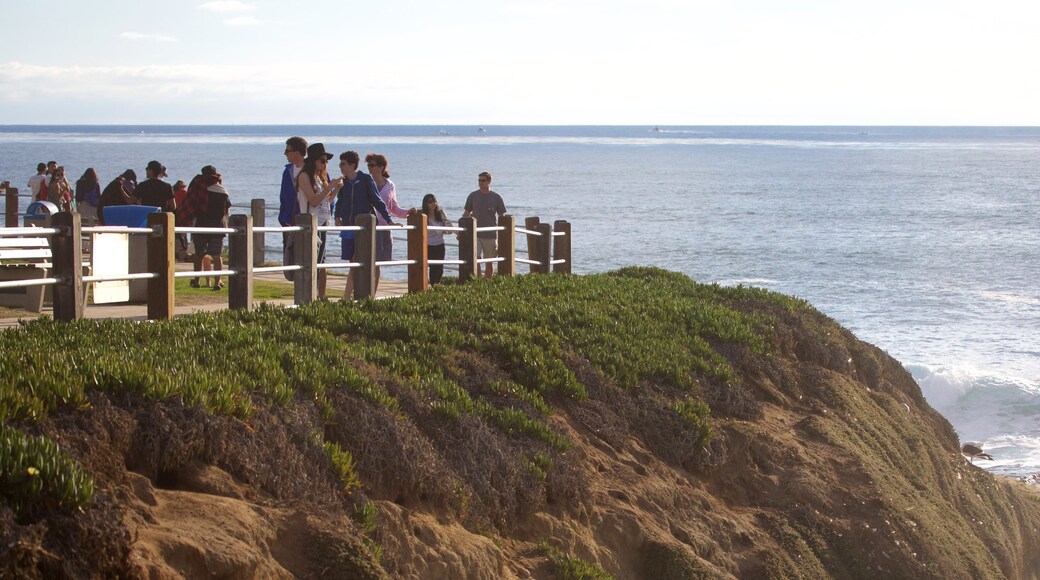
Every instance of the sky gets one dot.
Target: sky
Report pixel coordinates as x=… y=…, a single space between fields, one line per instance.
x=490 y=62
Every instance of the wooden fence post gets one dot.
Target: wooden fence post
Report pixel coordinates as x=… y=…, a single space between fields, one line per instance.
x=544 y=248
x=67 y=253
x=240 y=259
x=418 y=273
x=533 y=242
x=305 y=281
x=11 y=207
x=365 y=254
x=161 y=261
x=562 y=246
x=468 y=249
x=258 y=209
x=507 y=246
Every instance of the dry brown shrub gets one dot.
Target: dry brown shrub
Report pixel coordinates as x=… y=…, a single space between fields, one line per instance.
x=732 y=400
x=394 y=459
x=64 y=544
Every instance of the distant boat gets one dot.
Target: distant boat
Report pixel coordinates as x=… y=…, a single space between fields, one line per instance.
x=655 y=130
x=481 y=130
x=443 y=132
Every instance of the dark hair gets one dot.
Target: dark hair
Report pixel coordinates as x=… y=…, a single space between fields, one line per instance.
x=88 y=182
x=381 y=161
x=41 y=167
x=350 y=157
x=297 y=144
x=310 y=167
x=439 y=215
x=89 y=176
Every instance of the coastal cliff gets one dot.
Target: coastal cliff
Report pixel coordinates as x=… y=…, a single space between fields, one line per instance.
x=633 y=424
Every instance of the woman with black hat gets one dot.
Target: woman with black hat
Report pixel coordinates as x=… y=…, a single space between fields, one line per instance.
x=315 y=193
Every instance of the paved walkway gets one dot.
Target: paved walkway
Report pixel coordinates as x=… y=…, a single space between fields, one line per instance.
x=387 y=289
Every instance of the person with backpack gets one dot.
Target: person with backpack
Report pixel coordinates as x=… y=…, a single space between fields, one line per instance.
x=88 y=195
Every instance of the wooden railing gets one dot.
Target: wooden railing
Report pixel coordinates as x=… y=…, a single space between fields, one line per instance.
x=548 y=251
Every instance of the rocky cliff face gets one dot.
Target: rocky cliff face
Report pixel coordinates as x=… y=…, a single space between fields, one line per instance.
x=822 y=460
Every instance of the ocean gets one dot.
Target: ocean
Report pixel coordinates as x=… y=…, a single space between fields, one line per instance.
x=922 y=241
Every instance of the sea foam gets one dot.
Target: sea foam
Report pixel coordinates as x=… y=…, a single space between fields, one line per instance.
x=999 y=412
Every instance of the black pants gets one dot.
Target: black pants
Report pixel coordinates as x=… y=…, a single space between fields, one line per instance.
x=436 y=270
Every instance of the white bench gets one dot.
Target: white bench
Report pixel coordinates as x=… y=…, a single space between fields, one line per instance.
x=24 y=258
x=27 y=258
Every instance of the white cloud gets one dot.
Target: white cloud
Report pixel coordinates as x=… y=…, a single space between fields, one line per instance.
x=223 y=6
x=152 y=37
x=129 y=83
x=241 y=21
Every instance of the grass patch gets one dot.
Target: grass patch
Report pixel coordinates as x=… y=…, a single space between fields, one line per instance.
x=185 y=295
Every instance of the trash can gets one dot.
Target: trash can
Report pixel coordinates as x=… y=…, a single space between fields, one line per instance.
x=134 y=216
x=131 y=216
x=37 y=212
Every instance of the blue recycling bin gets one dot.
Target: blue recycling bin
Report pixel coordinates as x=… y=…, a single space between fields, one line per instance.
x=39 y=209
x=131 y=216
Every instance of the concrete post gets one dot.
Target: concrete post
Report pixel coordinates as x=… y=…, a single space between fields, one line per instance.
x=161 y=261
x=533 y=242
x=240 y=259
x=258 y=209
x=419 y=272
x=67 y=256
x=365 y=254
x=468 y=249
x=507 y=246
x=562 y=247
x=305 y=281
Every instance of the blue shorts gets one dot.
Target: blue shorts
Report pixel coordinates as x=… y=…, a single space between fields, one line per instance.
x=347 y=252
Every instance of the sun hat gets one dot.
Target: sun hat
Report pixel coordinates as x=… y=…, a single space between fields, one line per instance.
x=317 y=150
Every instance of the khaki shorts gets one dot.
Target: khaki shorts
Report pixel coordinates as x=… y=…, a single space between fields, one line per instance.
x=487 y=247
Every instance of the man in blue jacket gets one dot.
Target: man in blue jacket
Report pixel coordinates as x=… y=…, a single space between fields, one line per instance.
x=288 y=206
x=357 y=196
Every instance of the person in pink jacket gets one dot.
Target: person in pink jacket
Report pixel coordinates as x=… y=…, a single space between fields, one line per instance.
x=377 y=166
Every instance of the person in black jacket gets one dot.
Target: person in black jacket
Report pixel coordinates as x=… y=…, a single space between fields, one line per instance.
x=120 y=191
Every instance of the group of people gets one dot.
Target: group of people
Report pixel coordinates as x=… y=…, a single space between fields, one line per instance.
x=50 y=184
x=308 y=188
x=204 y=202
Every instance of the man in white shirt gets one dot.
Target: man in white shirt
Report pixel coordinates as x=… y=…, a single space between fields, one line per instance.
x=39 y=181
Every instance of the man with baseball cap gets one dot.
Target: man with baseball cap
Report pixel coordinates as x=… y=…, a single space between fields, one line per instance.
x=154 y=191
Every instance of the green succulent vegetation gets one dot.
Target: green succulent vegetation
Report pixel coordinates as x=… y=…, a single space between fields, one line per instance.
x=696 y=414
x=570 y=568
x=364 y=515
x=34 y=470
x=343 y=465
x=636 y=326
